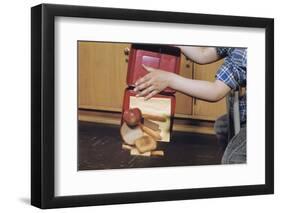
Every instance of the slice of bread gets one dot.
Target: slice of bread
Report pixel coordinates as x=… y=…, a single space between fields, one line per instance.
x=129 y=135
x=145 y=144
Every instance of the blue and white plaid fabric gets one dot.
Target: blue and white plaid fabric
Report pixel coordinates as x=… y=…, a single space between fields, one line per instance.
x=233 y=72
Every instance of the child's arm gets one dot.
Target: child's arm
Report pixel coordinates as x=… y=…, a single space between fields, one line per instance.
x=205 y=90
x=157 y=80
x=200 y=55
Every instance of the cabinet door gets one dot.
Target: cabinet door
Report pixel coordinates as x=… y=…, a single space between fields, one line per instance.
x=184 y=102
x=205 y=109
x=102 y=75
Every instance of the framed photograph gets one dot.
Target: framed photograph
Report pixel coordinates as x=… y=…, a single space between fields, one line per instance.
x=139 y=106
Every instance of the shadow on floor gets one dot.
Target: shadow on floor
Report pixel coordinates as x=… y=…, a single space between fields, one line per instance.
x=25 y=200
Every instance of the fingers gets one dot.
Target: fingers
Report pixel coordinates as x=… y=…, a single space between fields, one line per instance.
x=142 y=80
x=150 y=95
x=148 y=69
x=145 y=91
x=143 y=86
x=146 y=77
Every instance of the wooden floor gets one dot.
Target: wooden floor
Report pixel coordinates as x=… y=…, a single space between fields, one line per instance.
x=99 y=147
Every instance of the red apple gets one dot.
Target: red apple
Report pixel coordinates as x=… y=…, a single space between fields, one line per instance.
x=137 y=113
x=132 y=117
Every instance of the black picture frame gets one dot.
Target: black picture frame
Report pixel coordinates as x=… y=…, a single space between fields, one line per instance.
x=43 y=102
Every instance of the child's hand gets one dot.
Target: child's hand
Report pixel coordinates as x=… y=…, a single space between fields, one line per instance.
x=152 y=83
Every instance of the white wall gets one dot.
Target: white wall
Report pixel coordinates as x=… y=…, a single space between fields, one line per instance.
x=15 y=105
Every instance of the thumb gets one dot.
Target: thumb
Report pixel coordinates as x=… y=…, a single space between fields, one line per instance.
x=148 y=69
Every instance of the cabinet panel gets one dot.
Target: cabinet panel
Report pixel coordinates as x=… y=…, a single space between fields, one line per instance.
x=102 y=75
x=203 y=108
x=184 y=102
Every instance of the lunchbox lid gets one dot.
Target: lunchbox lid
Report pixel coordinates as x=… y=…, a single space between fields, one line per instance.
x=159 y=48
x=157 y=56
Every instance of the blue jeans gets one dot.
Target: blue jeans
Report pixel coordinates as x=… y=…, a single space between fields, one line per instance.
x=234 y=145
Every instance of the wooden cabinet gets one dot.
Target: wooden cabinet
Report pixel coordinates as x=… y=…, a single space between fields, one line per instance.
x=206 y=109
x=184 y=102
x=102 y=70
x=102 y=75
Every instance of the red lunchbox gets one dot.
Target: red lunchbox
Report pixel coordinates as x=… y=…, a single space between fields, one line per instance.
x=159 y=105
x=162 y=57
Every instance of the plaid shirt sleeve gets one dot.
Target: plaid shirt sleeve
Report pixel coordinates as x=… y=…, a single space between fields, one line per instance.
x=227 y=76
x=222 y=51
x=233 y=71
